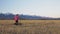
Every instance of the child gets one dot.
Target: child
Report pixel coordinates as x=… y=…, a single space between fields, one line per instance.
x=16 y=17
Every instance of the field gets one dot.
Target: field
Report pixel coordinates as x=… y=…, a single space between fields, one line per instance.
x=30 y=27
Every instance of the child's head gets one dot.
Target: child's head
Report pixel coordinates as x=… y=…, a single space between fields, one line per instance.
x=16 y=14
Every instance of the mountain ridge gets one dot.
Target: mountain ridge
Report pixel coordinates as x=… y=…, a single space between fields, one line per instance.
x=25 y=17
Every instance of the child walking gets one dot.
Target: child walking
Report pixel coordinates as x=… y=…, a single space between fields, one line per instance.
x=16 y=18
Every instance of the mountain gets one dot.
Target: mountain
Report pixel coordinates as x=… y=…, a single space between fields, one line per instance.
x=6 y=16
x=28 y=17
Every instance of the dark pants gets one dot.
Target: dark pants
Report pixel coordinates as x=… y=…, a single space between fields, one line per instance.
x=16 y=22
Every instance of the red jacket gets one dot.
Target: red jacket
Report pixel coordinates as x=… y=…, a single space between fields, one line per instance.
x=16 y=18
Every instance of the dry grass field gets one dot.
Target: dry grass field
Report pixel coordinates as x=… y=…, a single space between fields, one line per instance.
x=30 y=27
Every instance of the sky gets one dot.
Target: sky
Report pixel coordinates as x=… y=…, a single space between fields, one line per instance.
x=48 y=8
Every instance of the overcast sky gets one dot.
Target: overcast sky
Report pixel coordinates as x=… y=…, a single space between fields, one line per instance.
x=49 y=8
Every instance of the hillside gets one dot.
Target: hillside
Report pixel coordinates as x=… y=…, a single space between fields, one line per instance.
x=29 y=17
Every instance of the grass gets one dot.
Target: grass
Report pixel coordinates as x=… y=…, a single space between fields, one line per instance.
x=30 y=27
